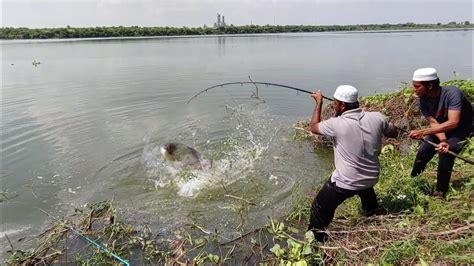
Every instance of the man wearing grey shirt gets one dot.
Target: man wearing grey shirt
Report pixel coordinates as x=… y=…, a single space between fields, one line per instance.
x=357 y=144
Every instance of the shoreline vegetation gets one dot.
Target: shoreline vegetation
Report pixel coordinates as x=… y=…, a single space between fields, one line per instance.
x=413 y=228
x=11 y=33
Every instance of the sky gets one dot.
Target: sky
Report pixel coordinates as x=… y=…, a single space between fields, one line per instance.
x=196 y=13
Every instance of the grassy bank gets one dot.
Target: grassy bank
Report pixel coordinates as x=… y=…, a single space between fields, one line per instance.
x=414 y=228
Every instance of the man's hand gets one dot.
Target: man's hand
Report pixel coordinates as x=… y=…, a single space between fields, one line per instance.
x=442 y=147
x=318 y=97
x=417 y=134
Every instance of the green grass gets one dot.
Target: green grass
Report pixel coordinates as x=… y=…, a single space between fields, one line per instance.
x=415 y=227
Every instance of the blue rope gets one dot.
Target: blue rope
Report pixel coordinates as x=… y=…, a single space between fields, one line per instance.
x=104 y=249
x=99 y=246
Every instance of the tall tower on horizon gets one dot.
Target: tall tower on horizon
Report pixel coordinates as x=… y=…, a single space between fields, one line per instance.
x=220 y=21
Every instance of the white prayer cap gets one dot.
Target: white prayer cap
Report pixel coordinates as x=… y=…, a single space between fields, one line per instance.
x=425 y=74
x=346 y=93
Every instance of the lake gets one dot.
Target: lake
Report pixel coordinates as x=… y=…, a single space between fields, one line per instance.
x=86 y=124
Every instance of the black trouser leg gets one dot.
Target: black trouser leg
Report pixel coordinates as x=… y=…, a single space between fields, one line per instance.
x=324 y=207
x=368 y=200
x=424 y=155
x=445 y=165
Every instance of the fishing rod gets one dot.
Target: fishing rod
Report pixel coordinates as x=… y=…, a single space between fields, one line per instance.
x=76 y=231
x=253 y=82
x=436 y=145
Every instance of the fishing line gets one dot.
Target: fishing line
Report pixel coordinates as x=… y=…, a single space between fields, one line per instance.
x=78 y=232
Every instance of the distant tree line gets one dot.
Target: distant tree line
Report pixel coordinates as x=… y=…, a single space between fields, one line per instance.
x=135 y=31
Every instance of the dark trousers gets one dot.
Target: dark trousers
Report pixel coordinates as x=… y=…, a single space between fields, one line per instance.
x=446 y=161
x=329 y=197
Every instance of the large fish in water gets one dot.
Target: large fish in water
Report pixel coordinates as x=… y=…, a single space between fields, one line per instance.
x=185 y=155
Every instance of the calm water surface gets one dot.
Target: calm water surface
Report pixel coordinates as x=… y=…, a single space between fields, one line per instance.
x=86 y=124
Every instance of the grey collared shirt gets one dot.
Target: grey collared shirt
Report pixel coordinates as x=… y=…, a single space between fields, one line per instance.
x=357 y=144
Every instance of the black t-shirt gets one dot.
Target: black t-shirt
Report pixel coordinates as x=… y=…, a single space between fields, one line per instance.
x=451 y=98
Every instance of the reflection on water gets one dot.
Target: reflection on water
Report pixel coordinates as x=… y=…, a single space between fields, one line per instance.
x=85 y=124
x=221 y=45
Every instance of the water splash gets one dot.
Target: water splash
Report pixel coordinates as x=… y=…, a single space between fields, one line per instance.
x=234 y=157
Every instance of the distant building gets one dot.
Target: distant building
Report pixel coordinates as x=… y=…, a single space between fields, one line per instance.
x=220 y=23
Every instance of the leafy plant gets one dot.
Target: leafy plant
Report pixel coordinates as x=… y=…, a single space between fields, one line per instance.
x=296 y=252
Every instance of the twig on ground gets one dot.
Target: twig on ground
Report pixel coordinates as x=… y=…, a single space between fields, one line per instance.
x=449 y=232
x=239 y=198
x=9 y=242
x=348 y=250
x=240 y=237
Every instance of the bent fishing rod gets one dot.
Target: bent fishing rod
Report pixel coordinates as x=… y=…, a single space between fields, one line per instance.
x=436 y=145
x=253 y=82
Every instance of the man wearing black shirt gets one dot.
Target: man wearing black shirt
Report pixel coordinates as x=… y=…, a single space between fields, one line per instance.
x=449 y=114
